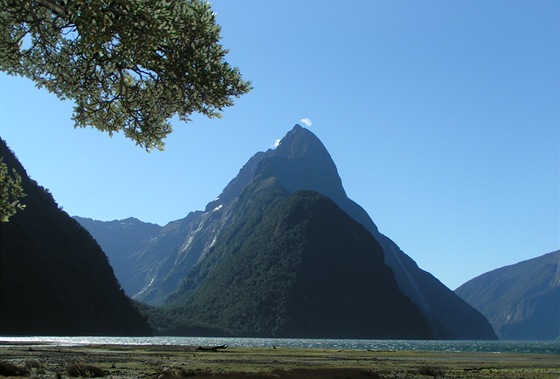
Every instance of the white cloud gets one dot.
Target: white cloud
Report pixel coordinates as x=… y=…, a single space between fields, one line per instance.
x=277 y=142
x=306 y=121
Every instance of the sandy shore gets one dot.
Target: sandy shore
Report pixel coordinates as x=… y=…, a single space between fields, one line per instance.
x=112 y=361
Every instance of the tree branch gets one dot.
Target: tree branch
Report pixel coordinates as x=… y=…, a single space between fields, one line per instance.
x=53 y=7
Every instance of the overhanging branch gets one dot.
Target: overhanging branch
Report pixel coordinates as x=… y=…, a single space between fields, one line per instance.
x=53 y=7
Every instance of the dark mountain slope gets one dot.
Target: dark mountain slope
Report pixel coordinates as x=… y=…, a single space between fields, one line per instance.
x=450 y=316
x=54 y=277
x=521 y=301
x=296 y=266
x=300 y=162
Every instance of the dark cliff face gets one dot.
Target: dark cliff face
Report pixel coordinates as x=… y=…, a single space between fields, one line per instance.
x=54 y=277
x=521 y=301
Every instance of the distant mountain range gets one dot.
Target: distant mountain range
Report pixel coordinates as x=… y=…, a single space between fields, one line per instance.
x=284 y=252
x=54 y=277
x=521 y=301
x=122 y=240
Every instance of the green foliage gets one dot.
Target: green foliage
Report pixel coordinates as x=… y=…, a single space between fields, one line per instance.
x=11 y=192
x=129 y=65
x=250 y=272
x=294 y=266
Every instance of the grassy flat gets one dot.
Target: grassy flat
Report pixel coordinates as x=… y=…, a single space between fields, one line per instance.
x=167 y=362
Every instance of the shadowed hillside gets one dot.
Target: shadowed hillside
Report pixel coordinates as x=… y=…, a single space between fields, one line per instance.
x=54 y=277
x=174 y=259
x=296 y=266
x=521 y=301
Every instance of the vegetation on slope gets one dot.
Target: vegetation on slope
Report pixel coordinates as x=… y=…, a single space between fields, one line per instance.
x=295 y=266
x=54 y=278
x=521 y=301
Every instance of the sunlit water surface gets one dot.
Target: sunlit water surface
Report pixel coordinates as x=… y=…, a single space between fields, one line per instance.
x=536 y=347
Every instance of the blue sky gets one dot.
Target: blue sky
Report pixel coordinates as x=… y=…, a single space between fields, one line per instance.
x=443 y=118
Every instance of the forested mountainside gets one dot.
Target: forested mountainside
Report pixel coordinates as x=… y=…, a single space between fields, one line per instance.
x=521 y=301
x=300 y=162
x=296 y=266
x=54 y=277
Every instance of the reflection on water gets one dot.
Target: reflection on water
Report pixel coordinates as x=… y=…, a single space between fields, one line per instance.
x=536 y=347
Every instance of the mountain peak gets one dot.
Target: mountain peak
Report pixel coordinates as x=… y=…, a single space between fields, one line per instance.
x=301 y=142
x=299 y=150
x=256 y=213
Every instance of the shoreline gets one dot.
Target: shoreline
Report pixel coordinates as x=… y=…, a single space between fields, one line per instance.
x=168 y=362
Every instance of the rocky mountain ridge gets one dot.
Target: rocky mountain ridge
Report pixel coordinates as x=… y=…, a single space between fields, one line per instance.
x=300 y=162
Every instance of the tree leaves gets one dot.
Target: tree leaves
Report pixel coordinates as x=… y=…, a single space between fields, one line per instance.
x=11 y=192
x=129 y=65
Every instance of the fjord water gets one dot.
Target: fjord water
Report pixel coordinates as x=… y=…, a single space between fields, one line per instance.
x=530 y=347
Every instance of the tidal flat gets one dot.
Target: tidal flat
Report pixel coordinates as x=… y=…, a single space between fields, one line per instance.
x=169 y=362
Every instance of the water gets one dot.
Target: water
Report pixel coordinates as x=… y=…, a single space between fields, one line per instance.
x=532 y=347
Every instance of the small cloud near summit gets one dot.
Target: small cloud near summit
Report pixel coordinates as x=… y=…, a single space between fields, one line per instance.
x=277 y=142
x=306 y=121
